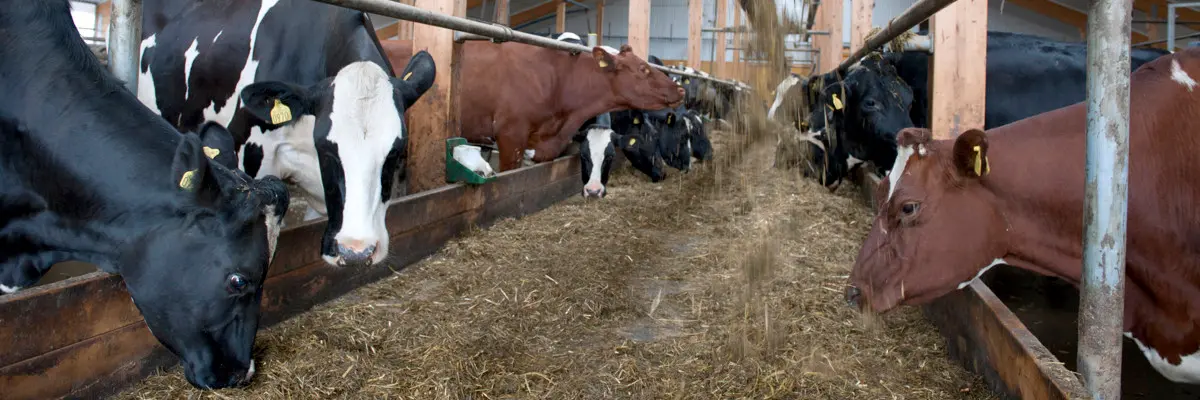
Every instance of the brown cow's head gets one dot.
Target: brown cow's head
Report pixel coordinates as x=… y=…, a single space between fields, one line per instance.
x=937 y=227
x=635 y=82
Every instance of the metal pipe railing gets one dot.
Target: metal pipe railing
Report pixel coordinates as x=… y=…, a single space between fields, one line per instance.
x=475 y=30
x=811 y=18
x=916 y=13
x=1157 y=41
x=125 y=41
x=1171 y=22
x=1105 y=205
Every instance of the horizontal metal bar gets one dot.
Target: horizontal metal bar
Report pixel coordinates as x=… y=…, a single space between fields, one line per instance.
x=1183 y=5
x=481 y=31
x=911 y=17
x=1163 y=21
x=1157 y=41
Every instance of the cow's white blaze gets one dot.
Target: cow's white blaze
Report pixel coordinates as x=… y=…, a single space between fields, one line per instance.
x=364 y=124
x=272 y=224
x=902 y=155
x=247 y=76
x=1181 y=76
x=145 y=88
x=289 y=153
x=9 y=289
x=780 y=90
x=994 y=263
x=599 y=139
x=189 y=57
x=470 y=157
x=1188 y=370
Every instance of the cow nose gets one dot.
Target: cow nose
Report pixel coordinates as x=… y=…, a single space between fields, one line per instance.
x=590 y=193
x=355 y=251
x=853 y=295
x=681 y=91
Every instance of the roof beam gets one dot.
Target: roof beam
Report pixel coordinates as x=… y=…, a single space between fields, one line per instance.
x=535 y=12
x=1064 y=14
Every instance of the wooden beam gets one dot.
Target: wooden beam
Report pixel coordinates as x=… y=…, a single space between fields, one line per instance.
x=959 y=68
x=389 y=31
x=103 y=16
x=599 y=22
x=560 y=17
x=829 y=19
x=695 y=38
x=860 y=22
x=718 y=65
x=639 y=27
x=738 y=44
x=435 y=115
x=1065 y=15
x=502 y=13
x=535 y=12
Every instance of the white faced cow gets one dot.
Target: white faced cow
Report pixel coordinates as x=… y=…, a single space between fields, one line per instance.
x=307 y=93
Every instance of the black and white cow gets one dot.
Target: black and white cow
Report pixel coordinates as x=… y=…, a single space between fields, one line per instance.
x=596 y=155
x=87 y=173
x=877 y=97
x=308 y=94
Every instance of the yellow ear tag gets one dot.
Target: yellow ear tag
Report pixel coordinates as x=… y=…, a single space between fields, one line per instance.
x=632 y=141
x=979 y=163
x=636 y=120
x=603 y=64
x=186 y=181
x=670 y=118
x=837 y=103
x=211 y=152
x=280 y=113
x=407 y=75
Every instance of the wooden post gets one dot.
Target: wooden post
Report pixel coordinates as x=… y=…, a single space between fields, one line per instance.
x=434 y=118
x=959 y=68
x=560 y=17
x=860 y=22
x=103 y=16
x=501 y=16
x=695 y=38
x=718 y=62
x=831 y=45
x=736 y=70
x=599 y=22
x=639 y=27
x=404 y=29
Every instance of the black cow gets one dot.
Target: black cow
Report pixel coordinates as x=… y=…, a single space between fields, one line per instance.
x=87 y=173
x=308 y=94
x=877 y=97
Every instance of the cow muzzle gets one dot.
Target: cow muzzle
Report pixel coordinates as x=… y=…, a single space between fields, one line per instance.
x=594 y=192
x=355 y=252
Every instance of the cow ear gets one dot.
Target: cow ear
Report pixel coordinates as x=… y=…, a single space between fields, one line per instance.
x=276 y=103
x=190 y=165
x=416 y=79
x=970 y=154
x=835 y=95
x=217 y=144
x=604 y=59
x=626 y=49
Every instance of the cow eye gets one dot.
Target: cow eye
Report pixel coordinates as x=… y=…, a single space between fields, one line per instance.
x=237 y=282
x=871 y=104
x=910 y=208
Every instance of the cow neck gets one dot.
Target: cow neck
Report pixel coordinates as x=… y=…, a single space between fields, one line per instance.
x=1036 y=236
x=587 y=91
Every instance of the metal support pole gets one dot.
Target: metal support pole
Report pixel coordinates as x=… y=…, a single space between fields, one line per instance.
x=1171 y=28
x=1102 y=287
x=915 y=13
x=125 y=41
x=592 y=40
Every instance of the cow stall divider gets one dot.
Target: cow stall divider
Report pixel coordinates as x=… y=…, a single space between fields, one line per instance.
x=981 y=331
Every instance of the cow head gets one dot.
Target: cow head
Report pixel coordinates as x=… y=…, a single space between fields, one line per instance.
x=701 y=146
x=635 y=83
x=934 y=193
x=673 y=139
x=596 y=156
x=198 y=279
x=639 y=147
x=355 y=125
x=824 y=131
x=873 y=96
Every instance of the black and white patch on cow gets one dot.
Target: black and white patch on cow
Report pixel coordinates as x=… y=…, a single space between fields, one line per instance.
x=596 y=155
x=308 y=94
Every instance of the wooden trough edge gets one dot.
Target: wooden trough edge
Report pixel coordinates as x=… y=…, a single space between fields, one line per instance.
x=985 y=337
x=82 y=337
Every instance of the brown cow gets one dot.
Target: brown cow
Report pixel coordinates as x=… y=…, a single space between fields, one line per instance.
x=951 y=209
x=520 y=97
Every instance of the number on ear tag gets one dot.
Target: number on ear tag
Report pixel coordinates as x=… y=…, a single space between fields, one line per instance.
x=837 y=103
x=186 y=182
x=211 y=152
x=280 y=113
